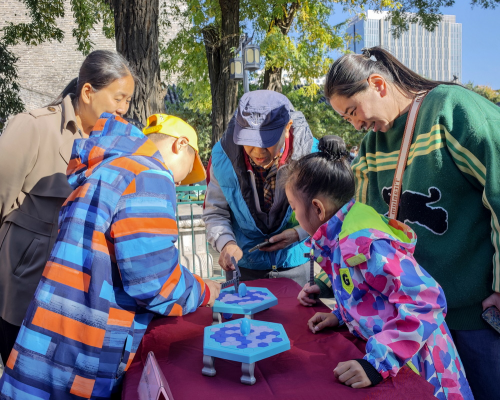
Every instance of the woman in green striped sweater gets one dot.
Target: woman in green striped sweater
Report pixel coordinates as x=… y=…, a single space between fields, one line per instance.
x=450 y=193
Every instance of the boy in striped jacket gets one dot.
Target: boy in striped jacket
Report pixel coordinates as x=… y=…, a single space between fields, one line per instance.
x=114 y=264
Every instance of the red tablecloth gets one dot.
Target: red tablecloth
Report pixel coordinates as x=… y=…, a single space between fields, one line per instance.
x=303 y=372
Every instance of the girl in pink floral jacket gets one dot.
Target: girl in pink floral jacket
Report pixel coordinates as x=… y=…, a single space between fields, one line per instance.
x=382 y=294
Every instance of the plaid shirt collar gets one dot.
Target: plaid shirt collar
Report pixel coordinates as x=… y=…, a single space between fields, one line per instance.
x=265 y=179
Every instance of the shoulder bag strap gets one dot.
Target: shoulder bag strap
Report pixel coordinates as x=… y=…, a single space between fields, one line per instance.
x=403 y=155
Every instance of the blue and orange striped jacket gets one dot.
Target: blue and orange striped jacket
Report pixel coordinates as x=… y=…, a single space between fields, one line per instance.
x=114 y=265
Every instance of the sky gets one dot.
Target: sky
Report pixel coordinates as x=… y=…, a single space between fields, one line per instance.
x=480 y=41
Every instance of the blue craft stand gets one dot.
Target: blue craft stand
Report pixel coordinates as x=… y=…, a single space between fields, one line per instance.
x=226 y=341
x=242 y=307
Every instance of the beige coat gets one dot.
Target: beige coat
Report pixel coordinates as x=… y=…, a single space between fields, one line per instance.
x=35 y=149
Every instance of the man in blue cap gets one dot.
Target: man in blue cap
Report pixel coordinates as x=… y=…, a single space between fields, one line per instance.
x=245 y=203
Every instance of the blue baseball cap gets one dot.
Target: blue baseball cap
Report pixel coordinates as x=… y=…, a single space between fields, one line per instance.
x=261 y=118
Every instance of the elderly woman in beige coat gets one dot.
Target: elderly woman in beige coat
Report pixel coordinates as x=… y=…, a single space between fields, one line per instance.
x=35 y=148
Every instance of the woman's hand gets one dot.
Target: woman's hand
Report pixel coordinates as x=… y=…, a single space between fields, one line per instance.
x=322 y=320
x=282 y=240
x=231 y=249
x=352 y=374
x=493 y=300
x=303 y=296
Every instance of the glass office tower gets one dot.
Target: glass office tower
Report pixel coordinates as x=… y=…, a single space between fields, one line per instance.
x=436 y=55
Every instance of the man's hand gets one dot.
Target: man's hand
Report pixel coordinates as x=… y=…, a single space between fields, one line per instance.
x=493 y=300
x=352 y=374
x=231 y=249
x=303 y=296
x=322 y=320
x=282 y=240
x=214 y=288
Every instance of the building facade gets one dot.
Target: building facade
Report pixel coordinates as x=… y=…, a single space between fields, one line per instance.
x=435 y=55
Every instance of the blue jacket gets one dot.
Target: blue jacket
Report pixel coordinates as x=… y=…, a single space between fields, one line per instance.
x=250 y=228
x=114 y=265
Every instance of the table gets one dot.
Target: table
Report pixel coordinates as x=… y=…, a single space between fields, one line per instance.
x=303 y=372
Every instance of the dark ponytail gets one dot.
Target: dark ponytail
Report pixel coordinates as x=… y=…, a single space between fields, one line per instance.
x=101 y=68
x=70 y=89
x=348 y=75
x=327 y=172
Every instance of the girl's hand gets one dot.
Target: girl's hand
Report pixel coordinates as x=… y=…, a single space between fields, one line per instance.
x=352 y=374
x=322 y=320
x=303 y=296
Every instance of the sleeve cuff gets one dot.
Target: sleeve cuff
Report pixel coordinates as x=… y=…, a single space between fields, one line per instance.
x=301 y=232
x=370 y=371
x=222 y=241
x=207 y=296
x=336 y=312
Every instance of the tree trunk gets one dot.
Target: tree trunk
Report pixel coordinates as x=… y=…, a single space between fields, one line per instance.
x=272 y=75
x=272 y=79
x=137 y=33
x=218 y=44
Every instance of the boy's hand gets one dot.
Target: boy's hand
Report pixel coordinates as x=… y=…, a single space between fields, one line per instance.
x=352 y=374
x=282 y=240
x=322 y=320
x=231 y=249
x=214 y=288
x=303 y=296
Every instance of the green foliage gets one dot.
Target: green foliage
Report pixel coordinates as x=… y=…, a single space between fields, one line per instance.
x=87 y=13
x=296 y=36
x=427 y=13
x=486 y=3
x=184 y=58
x=293 y=35
x=303 y=55
x=322 y=119
x=485 y=91
x=9 y=88
x=43 y=27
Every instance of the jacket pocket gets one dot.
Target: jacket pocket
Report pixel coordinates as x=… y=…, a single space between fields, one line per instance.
x=28 y=258
x=127 y=347
x=25 y=246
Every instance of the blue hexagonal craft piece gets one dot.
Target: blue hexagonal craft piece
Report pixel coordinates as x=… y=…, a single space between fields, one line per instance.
x=256 y=299
x=227 y=341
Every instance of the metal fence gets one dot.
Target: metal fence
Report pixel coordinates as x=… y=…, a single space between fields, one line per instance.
x=194 y=250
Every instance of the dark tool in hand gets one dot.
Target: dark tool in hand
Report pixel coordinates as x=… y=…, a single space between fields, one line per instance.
x=263 y=244
x=313 y=296
x=236 y=277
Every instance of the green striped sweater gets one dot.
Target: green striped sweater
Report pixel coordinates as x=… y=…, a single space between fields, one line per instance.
x=450 y=194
